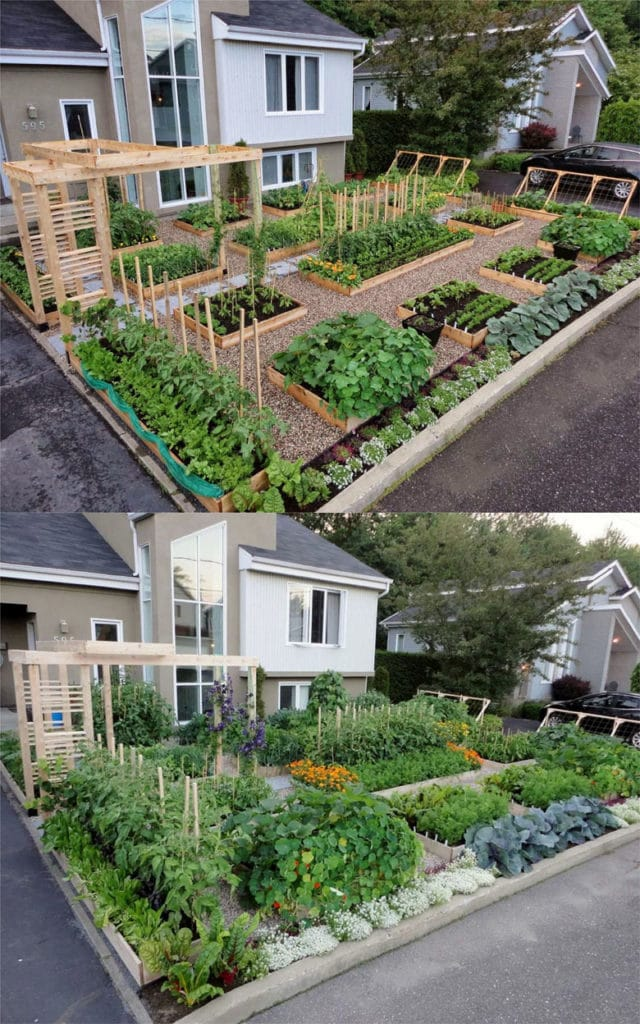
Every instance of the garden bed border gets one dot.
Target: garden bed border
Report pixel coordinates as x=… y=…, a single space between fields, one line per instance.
x=368 y=488
x=480 y=229
x=312 y=401
x=273 y=323
x=275 y=255
x=50 y=319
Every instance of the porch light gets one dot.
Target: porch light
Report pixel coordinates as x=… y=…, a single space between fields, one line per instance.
x=616 y=640
x=578 y=85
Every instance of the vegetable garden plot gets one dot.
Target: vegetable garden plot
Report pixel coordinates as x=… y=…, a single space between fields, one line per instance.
x=270 y=308
x=603 y=191
x=461 y=306
x=484 y=221
x=526 y=268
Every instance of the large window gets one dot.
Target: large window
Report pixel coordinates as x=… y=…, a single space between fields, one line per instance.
x=198 y=612
x=315 y=616
x=171 y=51
x=120 y=96
x=293 y=696
x=288 y=167
x=146 y=610
x=293 y=82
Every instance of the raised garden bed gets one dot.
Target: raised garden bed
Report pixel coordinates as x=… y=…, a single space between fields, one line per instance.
x=313 y=402
x=483 y=221
x=454 y=301
x=186 y=265
x=14 y=283
x=200 y=218
x=284 y=202
x=275 y=255
x=269 y=307
x=584 y=256
x=526 y=269
x=50 y=319
x=136 y=248
x=210 y=232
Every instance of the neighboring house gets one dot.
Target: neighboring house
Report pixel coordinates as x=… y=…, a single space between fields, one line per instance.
x=601 y=644
x=261 y=586
x=276 y=73
x=571 y=92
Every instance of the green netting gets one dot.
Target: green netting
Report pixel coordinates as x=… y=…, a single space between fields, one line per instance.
x=176 y=469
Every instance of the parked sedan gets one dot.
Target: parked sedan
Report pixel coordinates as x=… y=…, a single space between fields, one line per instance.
x=614 y=159
x=604 y=705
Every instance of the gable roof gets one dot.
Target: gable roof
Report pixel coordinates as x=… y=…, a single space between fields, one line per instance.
x=300 y=548
x=289 y=18
x=61 y=546
x=41 y=26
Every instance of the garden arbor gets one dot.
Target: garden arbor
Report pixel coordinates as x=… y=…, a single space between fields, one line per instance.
x=54 y=700
x=48 y=218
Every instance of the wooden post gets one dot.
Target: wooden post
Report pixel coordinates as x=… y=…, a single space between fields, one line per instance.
x=338 y=719
x=216 y=189
x=354 y=213
x=196 y=811
x=321 y=217
x=139 y=287
x=102 y=232
x=161 y=788
x=319 y=726
x=153 y=294
x=108 y=709
x=252 y=689
x=121 y=753
x=256 y=341
x=376 y=209
x=23 y=731
x=242 y=348
x=123 y=282
x=132 y=759
x=87 y=705
x=167 y=304
x=255 y=187
x=185 y=813
x=386 y=199
x=212 y=344
x=183 y=326
x=196 y=316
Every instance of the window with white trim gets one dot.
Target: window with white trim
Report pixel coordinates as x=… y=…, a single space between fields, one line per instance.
x=288 y=167
x=120 y=95
x=399 y=641
x=171 y=51
x=110 y=630
x=292 y=82
x=198 y=613
x=293 y=696
x=78 y=119
x=146 y=608
x=315 y=615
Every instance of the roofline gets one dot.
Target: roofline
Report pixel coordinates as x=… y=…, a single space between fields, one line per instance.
x=623 y=615
x=275 y=566
x=600 y=43
x=69 y=58
x=588 y=66
x=249 y=33
x=71 y=577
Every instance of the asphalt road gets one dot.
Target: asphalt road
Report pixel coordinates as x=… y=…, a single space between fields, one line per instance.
x=568 y=441
x=56 y=453
x=563 y=952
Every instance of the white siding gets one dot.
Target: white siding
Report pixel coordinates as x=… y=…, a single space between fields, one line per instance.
x=264 y=617
x=242 y=90
x=379 y=98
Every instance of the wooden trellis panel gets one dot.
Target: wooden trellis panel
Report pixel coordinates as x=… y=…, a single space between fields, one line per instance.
x=414 y=162
x=53 y=695
x=557 y=179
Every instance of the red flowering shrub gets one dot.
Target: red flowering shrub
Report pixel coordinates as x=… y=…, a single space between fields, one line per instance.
x=537 y=135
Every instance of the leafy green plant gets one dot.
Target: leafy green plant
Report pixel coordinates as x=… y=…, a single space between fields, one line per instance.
x=446 y=812
x=621 y=274
x=291 y=197
x=634 y=682
x=288 y=860
x=508 y=161
x=13 y=273
x=509 y=259
x=11 y=757
x=537 y=200
x=141 y=717
x=432 y=763
x=476 y=313
x=358 y=363
x=547 y=269
x=238 y=182
x=327 y=691
x=485 y=217
x=178 y=260
x=594 y=235
x=534 y=786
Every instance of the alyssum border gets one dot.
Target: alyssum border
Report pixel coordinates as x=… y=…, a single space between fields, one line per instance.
x=371 y=486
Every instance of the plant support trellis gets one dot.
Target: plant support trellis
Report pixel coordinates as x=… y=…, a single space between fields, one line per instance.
x=48 y=219
x=53 y=696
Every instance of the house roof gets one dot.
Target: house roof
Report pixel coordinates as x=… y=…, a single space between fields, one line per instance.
x=41 y=26
x=65 y=542
x=297 y=546
x=290 y=17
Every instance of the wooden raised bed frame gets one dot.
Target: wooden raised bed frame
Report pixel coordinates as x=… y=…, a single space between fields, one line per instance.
x=50 y=319
x=547 y=247
x=524 y=211
x=466 y=338
x=274 y=255
x=264 y=326
x=275 y=211
x=135 y=248
x=208 y=232
x=388 y=275
x=313 y=402
x=259 y=480
x=535 y=287
x=480 y=229
x=191 y=281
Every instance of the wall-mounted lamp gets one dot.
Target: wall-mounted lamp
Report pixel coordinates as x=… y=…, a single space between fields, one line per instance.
x=64 y=627
x=32 y=112
x=578 y=85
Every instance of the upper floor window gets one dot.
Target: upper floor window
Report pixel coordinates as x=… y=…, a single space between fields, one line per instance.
x=293 y=82
x=315 y=616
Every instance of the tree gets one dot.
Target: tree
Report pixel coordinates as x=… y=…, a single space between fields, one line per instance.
x=485 y=605
x=614 y=545
x=469 y=63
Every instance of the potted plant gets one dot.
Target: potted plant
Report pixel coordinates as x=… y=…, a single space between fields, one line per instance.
x=238 y=184
x=566 y=250
x=424 y=324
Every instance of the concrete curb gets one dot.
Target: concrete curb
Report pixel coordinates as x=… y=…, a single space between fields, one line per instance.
x=373 y=484
x=239 y=1005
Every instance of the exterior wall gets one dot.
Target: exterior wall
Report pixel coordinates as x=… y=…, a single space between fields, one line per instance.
x=241 y=76
x=559 y=90
x=44 y=87
x=50 y=603
x=13 y=634
x=264 y=626
x=354 y=685
x=85 y=13
x=620 y=668
x=115 y=528
x=592 y=656
x=379 y=98
x=410 y=645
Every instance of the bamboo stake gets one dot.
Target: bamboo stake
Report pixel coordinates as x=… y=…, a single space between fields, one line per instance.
x=153 y=295
x=140 y=762
x=183 y=325
x=321 y=215
x=161 y=788
x=123 y=282
x=415 y=196
x=196 y=315
x=139 y=287
x=386 y=200
x=354 y=213
x=338 y=719
x=256 y=341
x=120 y=752
x=100 y=740
x=196 y=812
x=132 y=758
x=319 y=725
x=241 y=380
x=376 y=215
x=212 y=343
x=185 y=816
x=167 y=304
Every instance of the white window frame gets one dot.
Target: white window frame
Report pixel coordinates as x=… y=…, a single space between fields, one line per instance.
x=104 y=621
x=122 y=123
x=144 y=554
x=279 y=153
x=91 y=110
x=303 y=55
x=399 y=647
x=366 y=94
x=297 y=683
x=309 y=588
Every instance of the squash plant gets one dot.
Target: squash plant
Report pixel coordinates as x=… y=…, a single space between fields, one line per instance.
x=595 y=235
x=358 y=363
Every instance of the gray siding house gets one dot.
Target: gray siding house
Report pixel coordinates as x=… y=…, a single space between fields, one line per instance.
x=262 y=586
x=601 y=644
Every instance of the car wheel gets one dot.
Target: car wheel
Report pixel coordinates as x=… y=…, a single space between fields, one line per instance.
x=537 y=177
x=622 y=189
x=634 y=739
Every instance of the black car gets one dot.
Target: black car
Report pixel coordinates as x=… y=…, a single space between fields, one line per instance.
x=614 y=159
x=607 y=705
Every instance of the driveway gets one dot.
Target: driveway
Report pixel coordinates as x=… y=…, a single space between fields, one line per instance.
x=56 y=453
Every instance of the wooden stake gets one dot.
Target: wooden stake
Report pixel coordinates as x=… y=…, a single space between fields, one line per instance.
x=321 y=215
x=153 y=295
x=140 y=761
x=338 y=719
x=161 y=788
x=241 y=349
x=196 y=811
x=376 y=214
x=183 y=325
x=185 y=816
x=386 y=199
x=256 y=341
x=132 y=758
x=212 y=344
x=196 y=317
x=319 y=725
x=139 y=287
x=100 y=740
x=108 y=709
x=121 y=752
x=123 y=282
x=167 y=304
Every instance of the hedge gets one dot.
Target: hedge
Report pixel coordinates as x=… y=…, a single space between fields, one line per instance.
x=620 y=120
x=385 y=131
x=406 y=672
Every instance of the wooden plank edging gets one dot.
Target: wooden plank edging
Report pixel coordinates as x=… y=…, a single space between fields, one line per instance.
x=50 y=318
x=190 y=281
x=313 y=402
x=512 y=279
x=275 y=255
x=264 y=326
x=480 y=229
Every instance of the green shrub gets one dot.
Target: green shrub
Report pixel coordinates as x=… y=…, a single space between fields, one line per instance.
x=534 y=786
x=568 y=687
x=592 y=233
x=620 y=120
x=141 y=717
x=238 y=182
x=406 y=671
x=381 y=680
x=537 y=135
x=433 y=763
x=289 y=860
x=494 y=746
x=370 y=699
x=634 y=682
x=508 y=161
x=327 y=692
x=528 y=709
x=196 y=731
x=11 y=757
x=446 y=812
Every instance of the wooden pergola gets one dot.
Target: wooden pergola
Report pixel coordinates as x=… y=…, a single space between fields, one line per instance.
x=54 y=700
x=47 y=218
